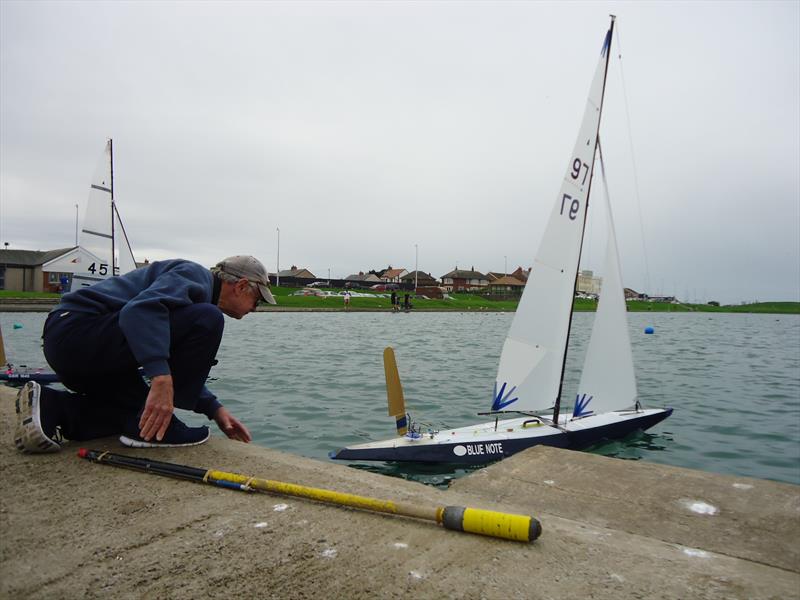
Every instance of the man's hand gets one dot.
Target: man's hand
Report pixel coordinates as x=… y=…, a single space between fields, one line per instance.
x=157 y=409
x=230 y=425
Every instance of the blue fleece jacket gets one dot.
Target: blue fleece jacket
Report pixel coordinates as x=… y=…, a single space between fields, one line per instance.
x=144 y=298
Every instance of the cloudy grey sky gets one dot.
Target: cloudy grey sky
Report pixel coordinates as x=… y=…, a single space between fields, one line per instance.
x=363 y=128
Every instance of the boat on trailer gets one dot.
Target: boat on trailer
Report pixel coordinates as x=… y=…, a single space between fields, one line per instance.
x=530 y=375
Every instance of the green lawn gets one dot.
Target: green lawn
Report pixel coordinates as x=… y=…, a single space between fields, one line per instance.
x=12 y=294
x=462 y=302
x=467 y=302
x=459 y=302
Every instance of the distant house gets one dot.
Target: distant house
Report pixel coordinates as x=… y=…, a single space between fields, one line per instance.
x=367 y=278
x=391 y=275
x=297 y=273
x=634 y=295
x=44 y=270
x=506 y=286
x=494 y=276
x=418 y=278
x=460 y=280
x=669 y=299
x=293 y=277
x=521 y=274
x=40 y=270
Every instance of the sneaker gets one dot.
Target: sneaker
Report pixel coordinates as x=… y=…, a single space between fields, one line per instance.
x=29 y=436
x=177 y=435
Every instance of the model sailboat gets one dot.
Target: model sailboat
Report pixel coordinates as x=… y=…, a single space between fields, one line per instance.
x=106 y=249
x=531 y=371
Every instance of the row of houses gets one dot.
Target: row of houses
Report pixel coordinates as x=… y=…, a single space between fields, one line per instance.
x=51 y=271
x=457 y=280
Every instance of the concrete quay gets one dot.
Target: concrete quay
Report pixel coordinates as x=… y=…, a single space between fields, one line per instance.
x=612 y=529
x=27 y=304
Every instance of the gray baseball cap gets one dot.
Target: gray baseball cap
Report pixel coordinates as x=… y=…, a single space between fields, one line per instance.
x=250 y=268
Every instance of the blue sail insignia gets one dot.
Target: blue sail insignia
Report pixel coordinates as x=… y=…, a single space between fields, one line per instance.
x=501 y=400
x=581 y=404
x=606 y=44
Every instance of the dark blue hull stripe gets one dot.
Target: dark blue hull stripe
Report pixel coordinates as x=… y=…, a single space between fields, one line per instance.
x=444 y=453
x=45 y=377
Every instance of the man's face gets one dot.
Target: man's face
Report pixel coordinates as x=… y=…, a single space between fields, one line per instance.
x=238 y=299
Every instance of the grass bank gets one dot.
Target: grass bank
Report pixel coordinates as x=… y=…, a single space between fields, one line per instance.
x=13 y=294
x=469 y=302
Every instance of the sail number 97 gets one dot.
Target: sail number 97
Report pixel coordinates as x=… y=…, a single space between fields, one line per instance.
x=572 y=205
x=577 y=166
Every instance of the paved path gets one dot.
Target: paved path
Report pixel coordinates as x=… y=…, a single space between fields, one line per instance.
x=612 y=529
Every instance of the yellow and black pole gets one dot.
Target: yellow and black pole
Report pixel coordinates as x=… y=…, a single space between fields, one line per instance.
x=520 y=528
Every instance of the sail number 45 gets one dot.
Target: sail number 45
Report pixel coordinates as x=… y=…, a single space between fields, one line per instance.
x=101 y=269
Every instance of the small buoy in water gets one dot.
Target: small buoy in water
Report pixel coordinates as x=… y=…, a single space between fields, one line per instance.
x=649 y=329
x=17 y=325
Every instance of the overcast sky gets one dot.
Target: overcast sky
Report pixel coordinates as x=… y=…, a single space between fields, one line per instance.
x=362 y=129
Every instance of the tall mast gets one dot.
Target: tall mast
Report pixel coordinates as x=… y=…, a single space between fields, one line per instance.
x=609 y=36
x=113 y=208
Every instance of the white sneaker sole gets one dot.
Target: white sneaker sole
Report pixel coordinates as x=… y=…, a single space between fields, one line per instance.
x=29 y=435
x=131 y=443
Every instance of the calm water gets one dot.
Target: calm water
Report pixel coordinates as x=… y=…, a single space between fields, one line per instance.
x=308 y=383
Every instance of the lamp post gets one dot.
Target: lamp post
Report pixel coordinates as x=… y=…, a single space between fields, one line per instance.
x=76 y=224
x=416 y=267
x=5 y=268
x=278 y=261
x=505 y=265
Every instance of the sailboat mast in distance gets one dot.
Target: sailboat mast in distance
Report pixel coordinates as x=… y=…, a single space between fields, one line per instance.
x=606 y=51
x=114 y=268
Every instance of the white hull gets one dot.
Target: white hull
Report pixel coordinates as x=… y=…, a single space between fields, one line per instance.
x=489 y=441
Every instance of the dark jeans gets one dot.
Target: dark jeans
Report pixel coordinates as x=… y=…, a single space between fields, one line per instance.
x=92 y=358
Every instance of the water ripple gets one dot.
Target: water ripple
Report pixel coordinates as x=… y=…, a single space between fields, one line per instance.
x=308 y=383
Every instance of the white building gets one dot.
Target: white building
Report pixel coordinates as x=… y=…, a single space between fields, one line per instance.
x=588 y=283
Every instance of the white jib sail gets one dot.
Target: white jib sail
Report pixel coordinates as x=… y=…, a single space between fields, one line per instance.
x=529 y=373
x=608 y=381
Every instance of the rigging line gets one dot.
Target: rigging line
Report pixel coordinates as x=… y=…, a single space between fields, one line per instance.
x=124 y=234
x=635 y=170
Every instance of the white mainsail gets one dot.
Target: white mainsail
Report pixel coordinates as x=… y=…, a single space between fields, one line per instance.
x=608 y=381
x=529 y=375
x=102 y=234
